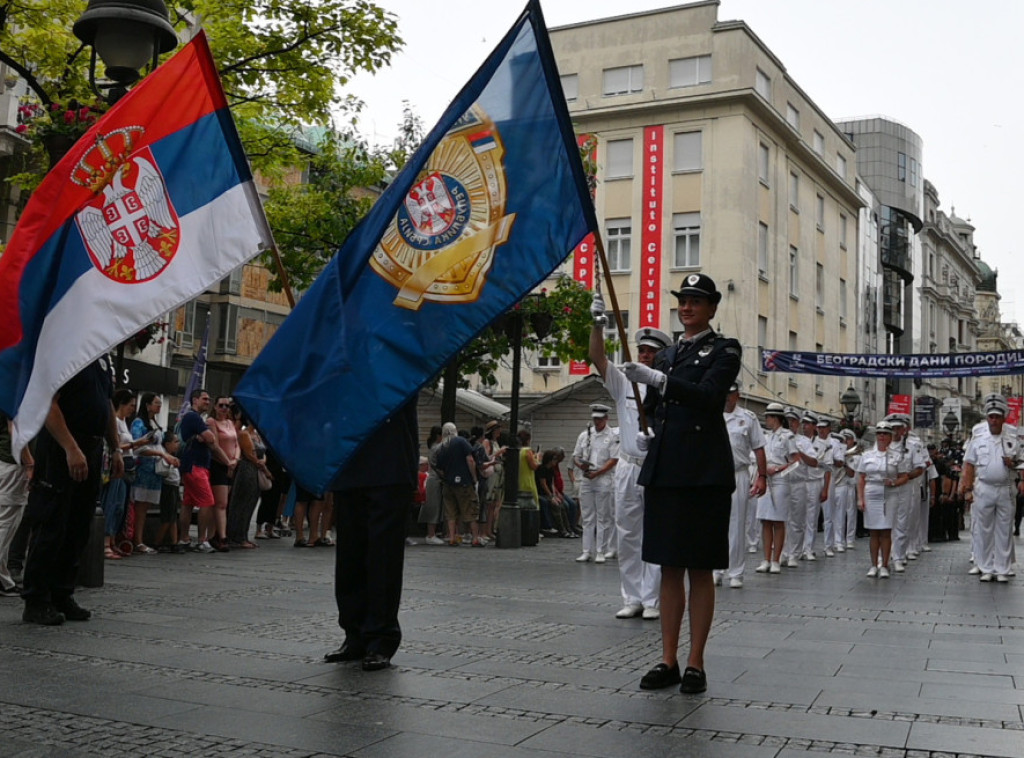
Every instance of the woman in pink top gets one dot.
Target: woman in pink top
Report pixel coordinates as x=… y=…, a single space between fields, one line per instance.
x=223 y=426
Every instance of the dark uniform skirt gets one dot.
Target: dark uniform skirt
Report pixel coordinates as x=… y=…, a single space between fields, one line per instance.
x=687 y=527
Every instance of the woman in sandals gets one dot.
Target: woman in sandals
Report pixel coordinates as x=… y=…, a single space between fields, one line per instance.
x=245 y=489
x=148 y=438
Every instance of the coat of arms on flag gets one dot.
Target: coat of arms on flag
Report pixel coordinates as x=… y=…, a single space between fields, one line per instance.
x=440 y=245
x=130 y=227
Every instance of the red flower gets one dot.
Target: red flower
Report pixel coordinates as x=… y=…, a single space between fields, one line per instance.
x=69 y=117
x=21 y=128
x=83 y=113
x=55 y=106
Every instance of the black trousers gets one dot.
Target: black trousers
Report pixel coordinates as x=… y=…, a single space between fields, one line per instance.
x=370 y=557
x=58 y=513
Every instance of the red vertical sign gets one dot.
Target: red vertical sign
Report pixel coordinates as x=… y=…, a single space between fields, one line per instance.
x=1016 y=403
x=902 y=404
x=650 y=237
x=583 y=263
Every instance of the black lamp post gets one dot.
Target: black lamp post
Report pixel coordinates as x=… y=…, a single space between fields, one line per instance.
x=850 y=401
x=127 y=35
x=950 y=422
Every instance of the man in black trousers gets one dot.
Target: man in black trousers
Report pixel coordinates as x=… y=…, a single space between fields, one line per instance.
x=371 y=498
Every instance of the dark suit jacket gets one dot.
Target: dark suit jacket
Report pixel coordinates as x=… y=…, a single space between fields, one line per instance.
x=691 y=444
x=389 y=457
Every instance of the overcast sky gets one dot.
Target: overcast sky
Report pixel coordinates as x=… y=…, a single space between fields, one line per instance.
x=951 y=71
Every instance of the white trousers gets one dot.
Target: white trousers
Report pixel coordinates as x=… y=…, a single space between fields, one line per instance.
x=844 y=514
x=641 y=582
x=905 y=522
x=797 y=516
x=992 y=527
x=923 y=514
x=597 y=514
x=738 y=524
x=814 y=487
x=753 y=525
x=828 y=508
x=13 y=495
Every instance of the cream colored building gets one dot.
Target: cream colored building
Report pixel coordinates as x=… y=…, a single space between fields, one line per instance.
x=712 y=159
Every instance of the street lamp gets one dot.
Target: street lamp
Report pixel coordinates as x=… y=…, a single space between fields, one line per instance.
x=850 y=401
x=950 y=422
x=126 y=35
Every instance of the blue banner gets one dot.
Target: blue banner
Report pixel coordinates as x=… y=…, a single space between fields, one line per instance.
x=912 y=366
x=482 y=213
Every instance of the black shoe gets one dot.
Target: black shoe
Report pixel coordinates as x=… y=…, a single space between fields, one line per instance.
x=346 y=652
x=660 y=676
x=694 y=681
x=72 y=610
x=46 y=615
x=375 y=662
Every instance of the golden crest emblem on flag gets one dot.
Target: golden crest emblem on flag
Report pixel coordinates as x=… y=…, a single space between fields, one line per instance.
x=440 y=244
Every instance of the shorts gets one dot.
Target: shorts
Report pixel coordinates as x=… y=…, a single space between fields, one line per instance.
x=170 y=503
x=197 y=488
x=219 y=475
x=460 y=502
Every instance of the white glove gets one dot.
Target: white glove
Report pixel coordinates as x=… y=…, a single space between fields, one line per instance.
x=638 y=372
x=643 y=441
x=597 y=310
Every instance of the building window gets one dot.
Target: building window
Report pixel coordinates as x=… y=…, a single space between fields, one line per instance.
x=620 y=159
x=819 y=142
x=763 y=84
x=185 y=324
x=686 y=229
x=794 y=272
x=228 y=330
x=913 y=172
x=792 y=342
x=688 y=72
x=841 y=166
x=792 y=116
x=819 y=287
x=762 y=250
x=819 y=210
x=763 y=162
x=570 y=86
x=762 y=340
x=794 y=192
x=842 y=302
x=623 y=80
x=618 y=232
x=611 y=334
x=901 y=166
x=548 y=362
x=687 y=152
x=232 y=284
x=842 y=231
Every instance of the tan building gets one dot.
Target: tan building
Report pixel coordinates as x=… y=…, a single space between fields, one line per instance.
x=712 y=159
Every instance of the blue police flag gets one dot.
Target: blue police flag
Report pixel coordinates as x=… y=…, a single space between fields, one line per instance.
x=490 y=204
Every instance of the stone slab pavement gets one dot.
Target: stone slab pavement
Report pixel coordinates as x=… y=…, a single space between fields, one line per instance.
x=516 y=653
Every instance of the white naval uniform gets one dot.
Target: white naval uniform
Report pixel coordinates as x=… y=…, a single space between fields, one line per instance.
x=905 y=524
x=992 y=510
x=597 y=496
x=798 y=498
x=815 y=484
x=745 y=436
x=779 y=448
x=640 y=581
x=881 y=502
x=835 y=456
x=753 y=525
x=844 y=511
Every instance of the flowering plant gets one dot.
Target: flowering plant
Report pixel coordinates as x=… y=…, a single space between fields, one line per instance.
x=71 y=120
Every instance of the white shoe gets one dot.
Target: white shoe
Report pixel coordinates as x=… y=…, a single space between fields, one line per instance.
x=1002 y=578
x=809 y=556
x=791 y=563
x=650 y=614
x=912 y=555
x=762 y=567
x=849 y=546
x=840 y=549
x=718 y=578
x=926 y=548
x=985 y=578
x=752 y=549
x=736 y=582
x=873 y=572
x=775 y=568
x=883 y=573
x=205 y=547
x=599 y=558
x=583 y=558
x=630 y=611
x=899 y=567
x=435 y=540
x=610 y=554
x=829 y=553
x=974 y=571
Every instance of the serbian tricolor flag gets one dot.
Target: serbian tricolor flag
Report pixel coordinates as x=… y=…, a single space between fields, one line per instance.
x=150 y=207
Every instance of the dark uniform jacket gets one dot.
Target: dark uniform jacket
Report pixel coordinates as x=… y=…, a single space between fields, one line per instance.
x=691 y=443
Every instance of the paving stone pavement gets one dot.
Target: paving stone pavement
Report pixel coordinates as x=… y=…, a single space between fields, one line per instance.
x=516 y=653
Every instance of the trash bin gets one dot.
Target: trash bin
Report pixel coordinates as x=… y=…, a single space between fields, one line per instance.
x=90 y=565
x=530 y=520
x=509 y=526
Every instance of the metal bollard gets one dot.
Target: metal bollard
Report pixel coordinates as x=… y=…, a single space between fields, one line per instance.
x=510 y=533
x=530 y=515
x=90 y=564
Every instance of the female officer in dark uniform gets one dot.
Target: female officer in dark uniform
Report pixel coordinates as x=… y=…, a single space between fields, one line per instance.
x=688 y=477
